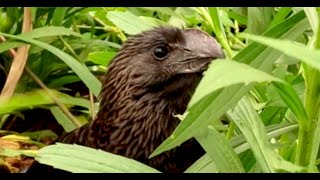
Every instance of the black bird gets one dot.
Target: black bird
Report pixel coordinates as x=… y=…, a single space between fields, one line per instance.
x=149 y=81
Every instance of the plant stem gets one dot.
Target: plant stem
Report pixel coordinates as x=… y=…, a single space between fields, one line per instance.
x=213 y=18
x=230 y=130
x=307 y=142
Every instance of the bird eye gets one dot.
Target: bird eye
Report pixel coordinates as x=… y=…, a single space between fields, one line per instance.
x=160 y=52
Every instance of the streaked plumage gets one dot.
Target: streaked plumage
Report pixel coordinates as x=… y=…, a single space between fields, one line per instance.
x=150 y=80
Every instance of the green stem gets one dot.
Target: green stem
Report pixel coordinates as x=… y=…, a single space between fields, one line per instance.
x=312 y=109
x=69 y=48
x=230 y=130
x=225 y=45
x=308 y=140
x=304 y=147
x=213 y=18
x=315 y=147
x=306 y=130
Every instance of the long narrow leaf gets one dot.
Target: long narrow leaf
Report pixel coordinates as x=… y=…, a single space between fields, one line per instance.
x=38 y=98
x=62 y=119
x=220 y=151
x=80 y=159
x=217 y=103
x=81 y=70
x=206 y=165
x=221 y=74
x=299 y=51
x=203 y=165
x=250 y=124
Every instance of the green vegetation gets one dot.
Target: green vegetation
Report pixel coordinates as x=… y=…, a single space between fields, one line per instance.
x=267 y=88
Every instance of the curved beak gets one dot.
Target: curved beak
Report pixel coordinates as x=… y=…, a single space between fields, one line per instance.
x=202 y=45
x=199 y=49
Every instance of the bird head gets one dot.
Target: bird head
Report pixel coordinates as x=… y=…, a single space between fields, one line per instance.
x=160 y=57
x=151 y=79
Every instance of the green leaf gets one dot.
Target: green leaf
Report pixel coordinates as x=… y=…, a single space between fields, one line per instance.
x=128 y=22
x=248 y=160
x=4 y=46
x=81 y=70
x=15 y=152
x=293 y=49
x=153 y=21
x=290 y=97
x=256 y=54
x=251 y=126
x=102 y=58
x=37 y=33
x=218 y=102
x=58 y=15
x=220 y=74
x=280 y=16
x=240 y=18
x=203 y=165
x=226 y=21
x=215 y=21
x=313 y=17
x=37 y=135
x=48 y=31
x=259 y=19
x=66 y=79
x=38 y=98
x=240 y=145
x=220 y=151
x=80 y=159
x=164 y=10
x=62 y=119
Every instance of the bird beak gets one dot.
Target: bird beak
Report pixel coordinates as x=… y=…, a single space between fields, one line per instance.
x=202 y=45
x=199 y=50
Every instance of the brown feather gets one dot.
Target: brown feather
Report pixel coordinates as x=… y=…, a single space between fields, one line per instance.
x=140 y=95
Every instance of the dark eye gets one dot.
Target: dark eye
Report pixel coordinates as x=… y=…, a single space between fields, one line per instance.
x=160 y=52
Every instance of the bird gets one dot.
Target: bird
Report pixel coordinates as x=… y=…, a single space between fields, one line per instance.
x=149 y=81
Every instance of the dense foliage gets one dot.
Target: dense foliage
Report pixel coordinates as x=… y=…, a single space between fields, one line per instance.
x=256 y=111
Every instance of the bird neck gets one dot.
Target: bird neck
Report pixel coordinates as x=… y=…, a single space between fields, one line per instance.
x=133 y=121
